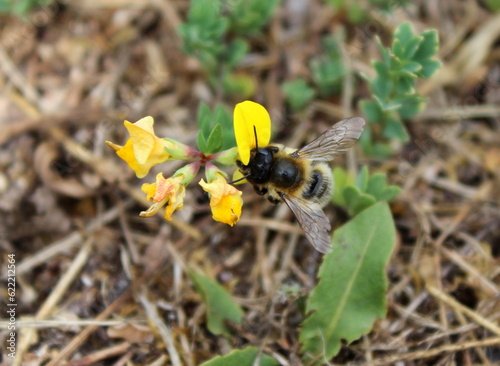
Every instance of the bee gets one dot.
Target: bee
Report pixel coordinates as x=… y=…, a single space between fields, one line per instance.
x=302 y=178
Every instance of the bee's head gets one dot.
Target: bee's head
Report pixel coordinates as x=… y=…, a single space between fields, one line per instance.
x=259 y=166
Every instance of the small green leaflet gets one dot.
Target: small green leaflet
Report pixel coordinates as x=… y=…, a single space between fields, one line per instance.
x=352 y=285
x=244 y=357
x=220 y=306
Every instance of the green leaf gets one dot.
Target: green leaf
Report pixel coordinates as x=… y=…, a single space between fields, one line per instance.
x=394 y=129
x=204 y=118
x=240 y=85
x=429 y=67
x=410 y=105
x=249 y=17
x=364 y=201
x=403 y=33
x=341 y=180
x=201 y=142
x=411 y=66
x=214 y=141
x=376 y=184
x=351 y=195
x=245 y=357
x=405 y=85
x=298 y=93
x=494 y=5
x=389 y=194
x=352 y=285
x=411 y=47
x=220 y=306
x=428 y=47
x=362 y=179
x=371 y=110
x=236 y=51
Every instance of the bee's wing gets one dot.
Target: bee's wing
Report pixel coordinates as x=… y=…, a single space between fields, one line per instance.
x=312 y=220
x=332 y=142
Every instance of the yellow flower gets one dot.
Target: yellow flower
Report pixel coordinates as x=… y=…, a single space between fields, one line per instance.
x=143 y=149
x=164 y=191
x=251 y=120
x=225 y=200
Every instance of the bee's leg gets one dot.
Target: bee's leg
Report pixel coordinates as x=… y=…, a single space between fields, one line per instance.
x=262 y=191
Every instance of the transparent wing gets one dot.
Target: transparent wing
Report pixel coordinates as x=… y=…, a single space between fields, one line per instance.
x=312 y=220
x=332 y=142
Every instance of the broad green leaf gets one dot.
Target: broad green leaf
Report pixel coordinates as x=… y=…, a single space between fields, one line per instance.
x=215 y=141
x=350 y=294
x=244 y=357
x=220 y=306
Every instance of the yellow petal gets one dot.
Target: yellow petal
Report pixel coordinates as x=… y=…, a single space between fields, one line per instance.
x=127 y=154
x=225 y=201
x=238 y=175
x=142 y=141
x=175 y=202
x=251 y=119
x=228 y=209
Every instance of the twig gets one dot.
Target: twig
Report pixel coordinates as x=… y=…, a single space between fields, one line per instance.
x=433 y=352
x=162 y=328
x=459 y=307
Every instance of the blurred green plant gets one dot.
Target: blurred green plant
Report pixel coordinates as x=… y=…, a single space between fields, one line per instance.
x=493 y=5
x=394 y=97
x=249 y=356
x=327 y=73
x=221 y=307
x=298 y=93
x=357 y=194
x=214 y=33
x=216 y=131
x=358 y=11
x=20 y=7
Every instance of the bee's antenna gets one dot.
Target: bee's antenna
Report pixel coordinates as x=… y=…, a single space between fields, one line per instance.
x=239 y=179
x=256 y=141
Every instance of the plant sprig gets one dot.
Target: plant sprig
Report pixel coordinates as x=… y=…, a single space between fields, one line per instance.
x=394 y=98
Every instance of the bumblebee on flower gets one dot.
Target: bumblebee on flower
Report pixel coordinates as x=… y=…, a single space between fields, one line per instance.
x=299 y=177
